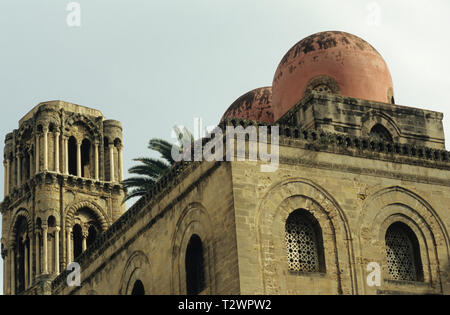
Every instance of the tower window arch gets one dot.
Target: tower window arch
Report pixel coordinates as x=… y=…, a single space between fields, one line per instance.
x=403 y=253
x=195 y=271
x=381 y=132
x=304 y=243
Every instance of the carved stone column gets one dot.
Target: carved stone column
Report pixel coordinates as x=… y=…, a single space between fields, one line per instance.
x=66 y=154
x=38 y=254
x=45 y=148
x=84 y=235
x=57 y=151
x=18 y=162
x=96 y=144
x=78 y=158
x=111 y=162
x=57 y=229
x=120 y=162
x=12 y=284
x=44 y=249
x=69 y=245
x=36 y=155
x=26 y=264
x=6 y=187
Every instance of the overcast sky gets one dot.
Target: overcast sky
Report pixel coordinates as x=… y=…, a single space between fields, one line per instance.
x=155 y=63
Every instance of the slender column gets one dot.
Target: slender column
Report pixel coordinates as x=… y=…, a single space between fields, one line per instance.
x=30 y=155
x=44 y=249
x=45 y=149
x=66 y=155
x=111 y=162
x=12 y=272
x=5 y=271
x=36 y=155
x=57 y=229
x=57 y=151
x=78 y=158
x=8 y=166
x=38 y=251
x=26 y=264
x=83 y=242
x=69 y=243
x=18 y=169
x=30 y=273
x=120 y=163
x=97 y=143
x=5 y=164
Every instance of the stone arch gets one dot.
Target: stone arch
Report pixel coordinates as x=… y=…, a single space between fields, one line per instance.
x=97 y=210
x=374 y=118
x=398 y=204
x=136 y=268
x=20 y=213
x=193 y=220
x=275 y=207
x=85 y=121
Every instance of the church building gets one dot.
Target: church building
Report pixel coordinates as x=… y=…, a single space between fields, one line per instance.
x=359 y=203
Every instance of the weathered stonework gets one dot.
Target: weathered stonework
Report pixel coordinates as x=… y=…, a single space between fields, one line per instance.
x=52 y=187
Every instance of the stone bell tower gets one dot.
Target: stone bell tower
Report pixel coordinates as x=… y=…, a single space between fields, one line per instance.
x=63 y=174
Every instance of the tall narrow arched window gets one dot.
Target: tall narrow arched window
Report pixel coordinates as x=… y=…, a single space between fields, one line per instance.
x=77 y=240
x=85 y=158
x=403 y=253
x=21 y=246
x=138 y=288
x=195 y=270
x=380 y=131
x=304 y=244
x=72 y=156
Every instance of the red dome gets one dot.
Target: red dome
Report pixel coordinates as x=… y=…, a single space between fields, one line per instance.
x=254 y=105
x=336 y=61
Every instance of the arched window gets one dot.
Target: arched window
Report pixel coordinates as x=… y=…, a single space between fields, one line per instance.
x=195 y=272
x=138 y=288
x=21 y=245
x=304 y=242
x=403 y=253
x=381 y=132
x=72 y=156
x=85 y=158
x=77 y=240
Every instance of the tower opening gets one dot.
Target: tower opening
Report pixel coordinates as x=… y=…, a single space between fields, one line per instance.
x=381 y=132
x=92 y=235
x=72 y=156
x=77 y=240
x=138 y=288
x=21 y=241
x=195 y=273
x=85 y=158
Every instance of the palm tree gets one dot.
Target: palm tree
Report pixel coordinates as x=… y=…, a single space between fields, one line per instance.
x=150 y=170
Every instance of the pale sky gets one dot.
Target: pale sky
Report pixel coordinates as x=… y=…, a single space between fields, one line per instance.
x=155 y=63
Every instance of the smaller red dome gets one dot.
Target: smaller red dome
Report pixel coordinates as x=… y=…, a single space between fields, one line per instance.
x=253 y=105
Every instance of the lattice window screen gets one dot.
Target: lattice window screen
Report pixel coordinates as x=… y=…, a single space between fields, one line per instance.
x=400 y=255
x=301 y=245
